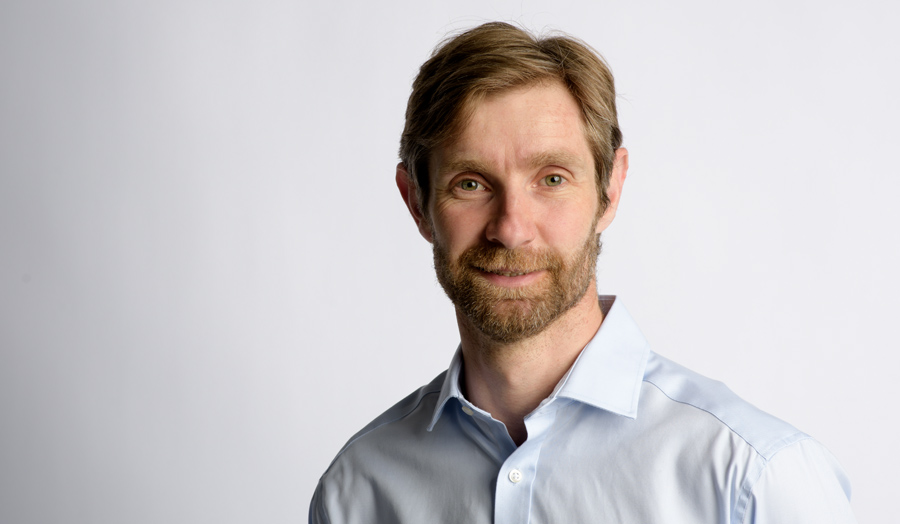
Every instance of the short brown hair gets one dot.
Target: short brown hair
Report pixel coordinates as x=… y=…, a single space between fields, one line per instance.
x=494 y=57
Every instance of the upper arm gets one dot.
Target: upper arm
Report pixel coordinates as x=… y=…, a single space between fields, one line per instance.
x=802 y=483
x=317 y=513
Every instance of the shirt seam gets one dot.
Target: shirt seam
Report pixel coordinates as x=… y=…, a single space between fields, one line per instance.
x=739 y=513
x=748 y=486
x=781 y=443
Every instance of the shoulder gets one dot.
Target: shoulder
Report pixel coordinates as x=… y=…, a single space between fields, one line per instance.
x=802 y=483
x=711 y=402
x=410 y=411
x=775 y=468
x=364 y=469
x=384 y=441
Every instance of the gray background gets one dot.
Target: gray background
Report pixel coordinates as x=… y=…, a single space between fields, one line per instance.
x=208 y=281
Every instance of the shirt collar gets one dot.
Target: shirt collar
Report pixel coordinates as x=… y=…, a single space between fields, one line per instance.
x=610 y=370
x=607 y=374
x=450 y=389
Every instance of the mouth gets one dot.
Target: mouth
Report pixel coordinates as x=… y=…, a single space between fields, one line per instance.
x=506 y=272
x=510 y=277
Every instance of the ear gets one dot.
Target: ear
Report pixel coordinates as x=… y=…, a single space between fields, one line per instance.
x=410 y=195
x=614 y=191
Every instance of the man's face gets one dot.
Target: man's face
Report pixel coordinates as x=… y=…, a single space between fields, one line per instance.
x=514 y=212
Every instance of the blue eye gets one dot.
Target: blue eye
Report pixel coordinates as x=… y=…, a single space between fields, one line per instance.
x=553 y=180
x=469 y=185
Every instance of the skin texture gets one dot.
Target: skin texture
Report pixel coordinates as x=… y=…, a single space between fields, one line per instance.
x=513 y=294
x=519 y=181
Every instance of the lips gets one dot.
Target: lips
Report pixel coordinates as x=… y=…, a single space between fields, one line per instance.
x=505 y=272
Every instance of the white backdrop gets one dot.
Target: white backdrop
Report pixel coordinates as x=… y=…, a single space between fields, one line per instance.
x=208 y=281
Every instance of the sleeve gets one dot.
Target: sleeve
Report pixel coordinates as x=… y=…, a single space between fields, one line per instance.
x=801 y=484
x=317 y=513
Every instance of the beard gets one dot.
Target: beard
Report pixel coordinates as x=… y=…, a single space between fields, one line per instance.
x=512 y=314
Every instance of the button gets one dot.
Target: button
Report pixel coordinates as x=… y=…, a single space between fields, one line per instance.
x=515 y=476
x=467 y=410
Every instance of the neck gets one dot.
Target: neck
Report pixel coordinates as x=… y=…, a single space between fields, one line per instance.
x=509 y=380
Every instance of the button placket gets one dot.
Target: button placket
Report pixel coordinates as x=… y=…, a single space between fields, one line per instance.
x=513 y=495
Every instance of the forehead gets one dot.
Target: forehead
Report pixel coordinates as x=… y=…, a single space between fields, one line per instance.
x=520 y=127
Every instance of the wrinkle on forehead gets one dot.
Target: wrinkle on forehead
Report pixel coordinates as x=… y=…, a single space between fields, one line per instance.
x=544 y=129
x=561 y=158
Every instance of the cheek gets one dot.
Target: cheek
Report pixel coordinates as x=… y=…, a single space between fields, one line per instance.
x=568 y=230
x=457 y=231
x=564 y=223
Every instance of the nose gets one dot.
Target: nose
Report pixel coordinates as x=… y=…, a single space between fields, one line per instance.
x=512 y=224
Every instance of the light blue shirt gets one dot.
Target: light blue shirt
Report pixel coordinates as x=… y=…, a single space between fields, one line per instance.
x=626 y=437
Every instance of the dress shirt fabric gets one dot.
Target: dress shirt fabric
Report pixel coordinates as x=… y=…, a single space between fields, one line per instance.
x=627 y=436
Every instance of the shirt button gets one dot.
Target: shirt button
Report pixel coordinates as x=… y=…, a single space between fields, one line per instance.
x=467 y=410
x=515 y=476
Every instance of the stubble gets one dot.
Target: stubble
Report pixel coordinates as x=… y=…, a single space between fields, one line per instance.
x=512 y=314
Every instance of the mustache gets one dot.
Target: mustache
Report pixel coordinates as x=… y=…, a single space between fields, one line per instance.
x=501 y=259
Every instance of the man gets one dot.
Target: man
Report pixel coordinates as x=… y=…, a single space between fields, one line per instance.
x=553 y=409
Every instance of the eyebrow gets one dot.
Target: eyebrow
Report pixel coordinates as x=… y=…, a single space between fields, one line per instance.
x=556 y=158
x=464 y=166
x=546 y=158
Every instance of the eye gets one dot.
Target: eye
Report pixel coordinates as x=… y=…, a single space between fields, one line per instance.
x=469 y=185
x=553 y=180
